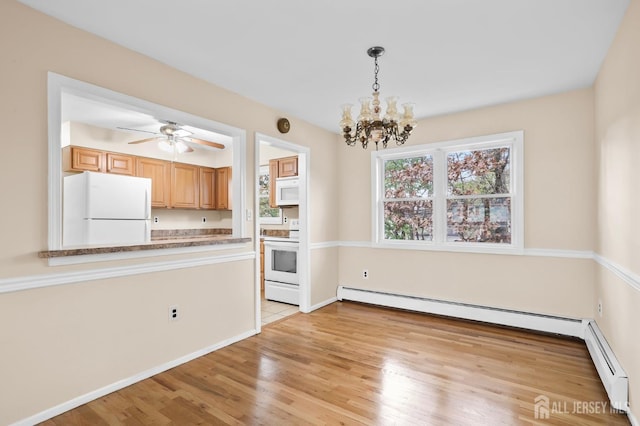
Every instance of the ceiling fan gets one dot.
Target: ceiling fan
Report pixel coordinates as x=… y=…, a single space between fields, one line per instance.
x=173 y=138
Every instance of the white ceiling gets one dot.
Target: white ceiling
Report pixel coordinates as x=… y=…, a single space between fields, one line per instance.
x=306 y=59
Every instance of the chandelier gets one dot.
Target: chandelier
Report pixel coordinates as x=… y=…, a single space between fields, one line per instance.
x=371 y=125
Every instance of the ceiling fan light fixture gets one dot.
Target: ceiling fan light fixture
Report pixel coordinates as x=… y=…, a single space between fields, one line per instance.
x=165 y=145
x=181 y=147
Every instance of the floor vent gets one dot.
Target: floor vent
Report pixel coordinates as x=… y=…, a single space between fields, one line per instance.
x=613 y=377
x=611 y=373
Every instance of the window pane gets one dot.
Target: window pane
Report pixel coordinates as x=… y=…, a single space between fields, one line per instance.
x=479 y=172
x=408 y=220
x=263 y=184
x=485 y=220
x=266 y=211
x=408 y=177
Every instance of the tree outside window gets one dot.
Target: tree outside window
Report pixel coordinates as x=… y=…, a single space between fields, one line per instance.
x=408 y=204
x=478 y=196
x=267 y=214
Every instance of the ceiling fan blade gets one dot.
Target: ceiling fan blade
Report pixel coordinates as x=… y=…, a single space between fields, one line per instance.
x=206 y=143
x=137 y=130
x=145 y=140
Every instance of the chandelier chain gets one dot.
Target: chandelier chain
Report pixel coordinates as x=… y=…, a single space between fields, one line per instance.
x=376 y=68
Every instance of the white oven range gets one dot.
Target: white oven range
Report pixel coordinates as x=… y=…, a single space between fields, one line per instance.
x=281 y=279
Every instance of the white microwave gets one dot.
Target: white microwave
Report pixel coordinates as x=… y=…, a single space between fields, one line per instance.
x=288 y=191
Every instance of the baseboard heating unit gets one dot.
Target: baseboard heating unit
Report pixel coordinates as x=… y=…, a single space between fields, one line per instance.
x=613 y=377
x=611 y=373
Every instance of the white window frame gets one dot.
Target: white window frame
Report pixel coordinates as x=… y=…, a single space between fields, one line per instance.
x=438 y=151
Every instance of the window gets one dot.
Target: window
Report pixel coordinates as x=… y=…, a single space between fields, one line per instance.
x=268 y=215
x=464 y=194
x=408 y=198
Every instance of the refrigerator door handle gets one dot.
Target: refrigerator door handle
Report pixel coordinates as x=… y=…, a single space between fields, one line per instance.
x=147 y=214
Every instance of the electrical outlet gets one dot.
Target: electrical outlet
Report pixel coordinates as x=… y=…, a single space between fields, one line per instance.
x=600 y=307
x=156 y=219
x=285 y=219
x=204 y=220
x=365 y=274
x=173 y=313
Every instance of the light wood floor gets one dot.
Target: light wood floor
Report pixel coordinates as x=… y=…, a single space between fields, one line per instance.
x=349 y=363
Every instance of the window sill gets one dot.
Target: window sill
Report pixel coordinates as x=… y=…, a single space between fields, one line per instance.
x=456 y=248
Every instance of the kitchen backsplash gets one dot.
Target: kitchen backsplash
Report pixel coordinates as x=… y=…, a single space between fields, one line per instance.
x=190 y=219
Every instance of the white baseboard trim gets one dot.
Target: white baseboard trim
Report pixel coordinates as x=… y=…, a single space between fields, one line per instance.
x=98 y=393
x=46 y=280
x=539 y=322
x=322 y=304
x=632 y=419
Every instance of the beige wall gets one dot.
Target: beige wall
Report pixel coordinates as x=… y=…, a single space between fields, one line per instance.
x=617 y=106
x=63 y=341
x=559 y=215
x=545 y=285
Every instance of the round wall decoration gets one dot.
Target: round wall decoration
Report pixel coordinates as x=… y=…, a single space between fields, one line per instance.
x=283 y=125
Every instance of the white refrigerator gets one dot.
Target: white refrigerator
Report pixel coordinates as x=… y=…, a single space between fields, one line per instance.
x=106 y=209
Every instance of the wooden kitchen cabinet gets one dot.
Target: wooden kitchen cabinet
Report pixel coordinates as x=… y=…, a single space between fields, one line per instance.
x=159 y=172
x=185 y=192
x=288 y=166
x=273 y=174
x=207 y=188
x=223 y=188
x=79 y=159
x=121 y=164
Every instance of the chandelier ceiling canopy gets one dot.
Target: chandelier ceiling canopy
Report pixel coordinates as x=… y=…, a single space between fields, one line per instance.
x=372 y=126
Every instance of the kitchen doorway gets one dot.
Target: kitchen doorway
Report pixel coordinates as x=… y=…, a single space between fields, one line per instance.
x=281 y=169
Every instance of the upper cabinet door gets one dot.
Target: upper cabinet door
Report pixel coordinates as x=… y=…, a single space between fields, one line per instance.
x=288 y=166
x=82 y=159
x=159 y=172
x=223 y=188
x=121 y=164
x=185 y=192
x=207 y=188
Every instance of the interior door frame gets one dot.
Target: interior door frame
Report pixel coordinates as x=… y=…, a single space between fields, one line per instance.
x=304 y=254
